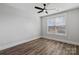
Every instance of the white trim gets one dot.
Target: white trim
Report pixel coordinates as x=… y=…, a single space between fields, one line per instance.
x=61 y=40
x=17 y=43
x=54 y=16
x=14 y=43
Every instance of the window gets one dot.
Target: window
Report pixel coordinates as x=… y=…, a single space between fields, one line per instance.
x=56 y=25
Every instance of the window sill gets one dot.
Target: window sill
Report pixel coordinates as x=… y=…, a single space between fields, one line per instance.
x=57 y=34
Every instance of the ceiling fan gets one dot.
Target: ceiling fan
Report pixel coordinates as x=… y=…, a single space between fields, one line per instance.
x=44 y=9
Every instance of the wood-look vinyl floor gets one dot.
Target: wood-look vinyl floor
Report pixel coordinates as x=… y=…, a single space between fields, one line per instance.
x=42 y=46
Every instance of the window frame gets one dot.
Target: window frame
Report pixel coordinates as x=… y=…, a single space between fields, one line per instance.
x=57 y=33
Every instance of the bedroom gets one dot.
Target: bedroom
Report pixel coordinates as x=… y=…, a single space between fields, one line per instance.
x=26 y=29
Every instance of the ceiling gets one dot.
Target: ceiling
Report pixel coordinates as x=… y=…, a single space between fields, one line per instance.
x=29 y=7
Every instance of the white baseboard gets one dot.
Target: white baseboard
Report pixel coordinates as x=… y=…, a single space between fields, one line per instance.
x=61 y=40
x=14 y=43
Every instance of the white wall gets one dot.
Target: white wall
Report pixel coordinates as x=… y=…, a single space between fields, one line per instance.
x=72 y=28
x=73 y=25
x=17 y=26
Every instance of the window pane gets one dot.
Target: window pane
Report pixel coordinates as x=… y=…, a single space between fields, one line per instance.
x=51 y=25
x=60 y=25
x=56 y=25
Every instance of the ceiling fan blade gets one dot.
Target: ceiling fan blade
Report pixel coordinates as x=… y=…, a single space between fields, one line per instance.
x=40 y=11
x=38 y=8
x=52 y=9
